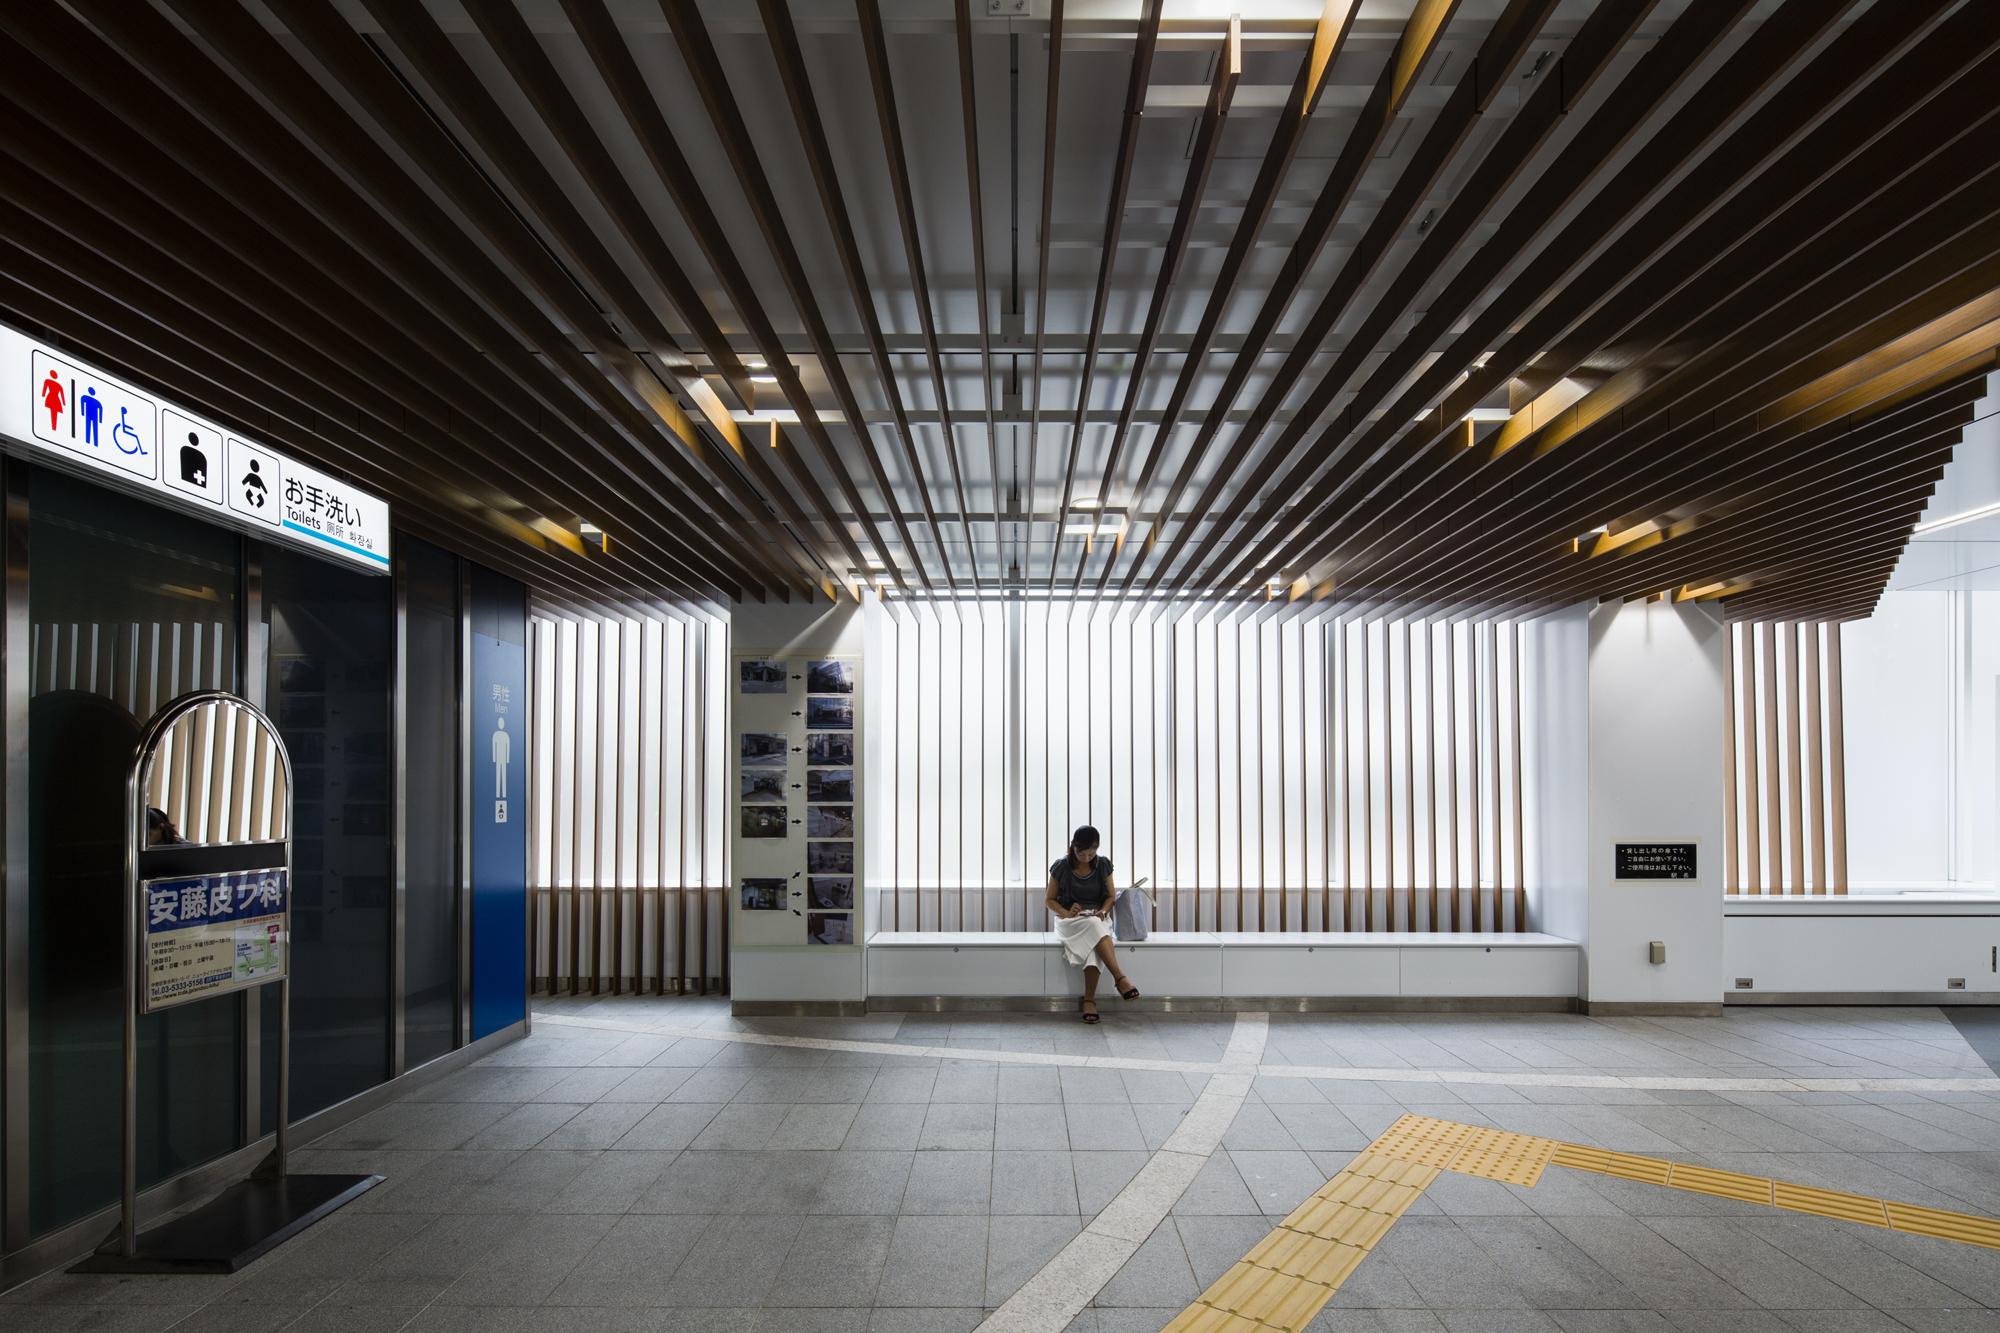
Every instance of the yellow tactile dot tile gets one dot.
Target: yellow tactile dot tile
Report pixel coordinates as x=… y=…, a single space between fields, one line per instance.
x=1199 y=1318
x=1722 y=1184
x=1516 y=1163
x=1961 y=1227
x=1650 y=1170
x=1830 y=1203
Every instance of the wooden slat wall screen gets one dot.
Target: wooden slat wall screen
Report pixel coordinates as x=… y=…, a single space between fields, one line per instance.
x=1784 y=757
x=625 y=840
x=1262 y=774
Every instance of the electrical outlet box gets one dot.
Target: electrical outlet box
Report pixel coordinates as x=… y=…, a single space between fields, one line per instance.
x=1746 y=983
x=1954 y=983
x=1657 y=951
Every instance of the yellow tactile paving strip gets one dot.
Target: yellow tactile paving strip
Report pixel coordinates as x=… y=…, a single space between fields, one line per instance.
x=1292 y=1273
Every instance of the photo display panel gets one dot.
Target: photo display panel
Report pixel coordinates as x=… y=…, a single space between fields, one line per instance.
x=797 y=822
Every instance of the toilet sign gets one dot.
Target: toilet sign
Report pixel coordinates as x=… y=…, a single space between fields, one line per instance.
x=63 y=409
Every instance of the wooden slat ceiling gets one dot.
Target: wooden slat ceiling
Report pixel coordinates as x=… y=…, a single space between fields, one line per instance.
x=1384 y=307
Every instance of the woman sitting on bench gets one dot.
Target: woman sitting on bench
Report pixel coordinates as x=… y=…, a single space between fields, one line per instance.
x=1080 y=895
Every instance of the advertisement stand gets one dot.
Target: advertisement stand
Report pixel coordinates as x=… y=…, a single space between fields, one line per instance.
x=207 y=913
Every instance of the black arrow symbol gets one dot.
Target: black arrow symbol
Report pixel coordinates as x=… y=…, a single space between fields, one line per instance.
x=796 y=786
x=797 y=713
x=798 y=749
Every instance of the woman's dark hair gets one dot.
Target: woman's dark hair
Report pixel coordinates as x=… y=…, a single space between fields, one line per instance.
x=1083 y=840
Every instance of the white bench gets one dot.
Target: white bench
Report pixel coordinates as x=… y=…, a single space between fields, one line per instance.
x=1230 y=965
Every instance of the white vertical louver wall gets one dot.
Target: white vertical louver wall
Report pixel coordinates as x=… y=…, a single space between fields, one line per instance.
x=627 y=841
x=1262 y=774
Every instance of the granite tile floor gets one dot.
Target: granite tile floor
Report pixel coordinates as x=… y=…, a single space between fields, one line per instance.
x=597 y=1176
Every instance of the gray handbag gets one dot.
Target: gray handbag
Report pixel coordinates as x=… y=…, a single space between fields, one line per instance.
x=1131 y=912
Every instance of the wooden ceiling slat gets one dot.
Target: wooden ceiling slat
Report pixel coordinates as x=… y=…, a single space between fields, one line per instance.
x=976 y=211
x=416 y=509
x=790 y=59
x=1049 y=120
x=1350 y=439
x=1415 y=49
x=1201 y=160
x=1747 y=292
x=508 y=33
x=619 y=384
x=1330 y=34
x=1768 y=302
x=1107 y=258
x=242 y=337
x=875 y=48
x=71 y=51
x=620 y=72
x=684 y=18
x=1388 y=447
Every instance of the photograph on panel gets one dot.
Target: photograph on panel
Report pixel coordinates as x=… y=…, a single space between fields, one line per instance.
x=830 y=784
x=830 y=858
x=829 y=821
x=764 y=895
x=829 y=677
x=832 y=891
x=766 y=821
x=830 y=747
x=765 y=676
x=829 y=714
x=828 y=928
x=762 y=749
x=764 y=785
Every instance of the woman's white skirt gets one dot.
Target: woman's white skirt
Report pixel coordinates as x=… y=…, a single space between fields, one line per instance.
x=1079 y=936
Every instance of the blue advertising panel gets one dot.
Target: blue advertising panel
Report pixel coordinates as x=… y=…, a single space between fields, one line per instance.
x=499 y=834
x=212 y=934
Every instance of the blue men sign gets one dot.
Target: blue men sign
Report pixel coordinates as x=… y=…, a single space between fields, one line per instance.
x=499 y=833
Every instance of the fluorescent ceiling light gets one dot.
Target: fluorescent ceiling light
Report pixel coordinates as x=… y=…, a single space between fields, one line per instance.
x=763 y=379
x=1953 y=520
x=754 y=362
x=783 y=416
x=1489 y=414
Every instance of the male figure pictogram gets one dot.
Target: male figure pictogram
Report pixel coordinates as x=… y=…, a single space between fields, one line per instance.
x=92 y=408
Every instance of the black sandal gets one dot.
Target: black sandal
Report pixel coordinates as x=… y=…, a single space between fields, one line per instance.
x=1131 y=994
x=1088 y=1017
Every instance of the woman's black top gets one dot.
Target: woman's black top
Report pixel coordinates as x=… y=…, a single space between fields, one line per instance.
x=1085 y=891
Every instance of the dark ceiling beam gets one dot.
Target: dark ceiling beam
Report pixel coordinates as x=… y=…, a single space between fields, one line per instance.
x=152 y=137
x=1049 y=117
x=875 y=47
x=626 y=387
x=1107 y=257
x=1370 y=452
x=186 y=380
x=208 y=323
x=1413 y=53
x=705 y=71
x=1201 y=159
x=811 y=125
x=1489 y=73
x=1933 y=313
x=620 y=72
x=507 y=32
x=1336 y=21
x=1825 y=227
x=969 y=109
x=1571 y=77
